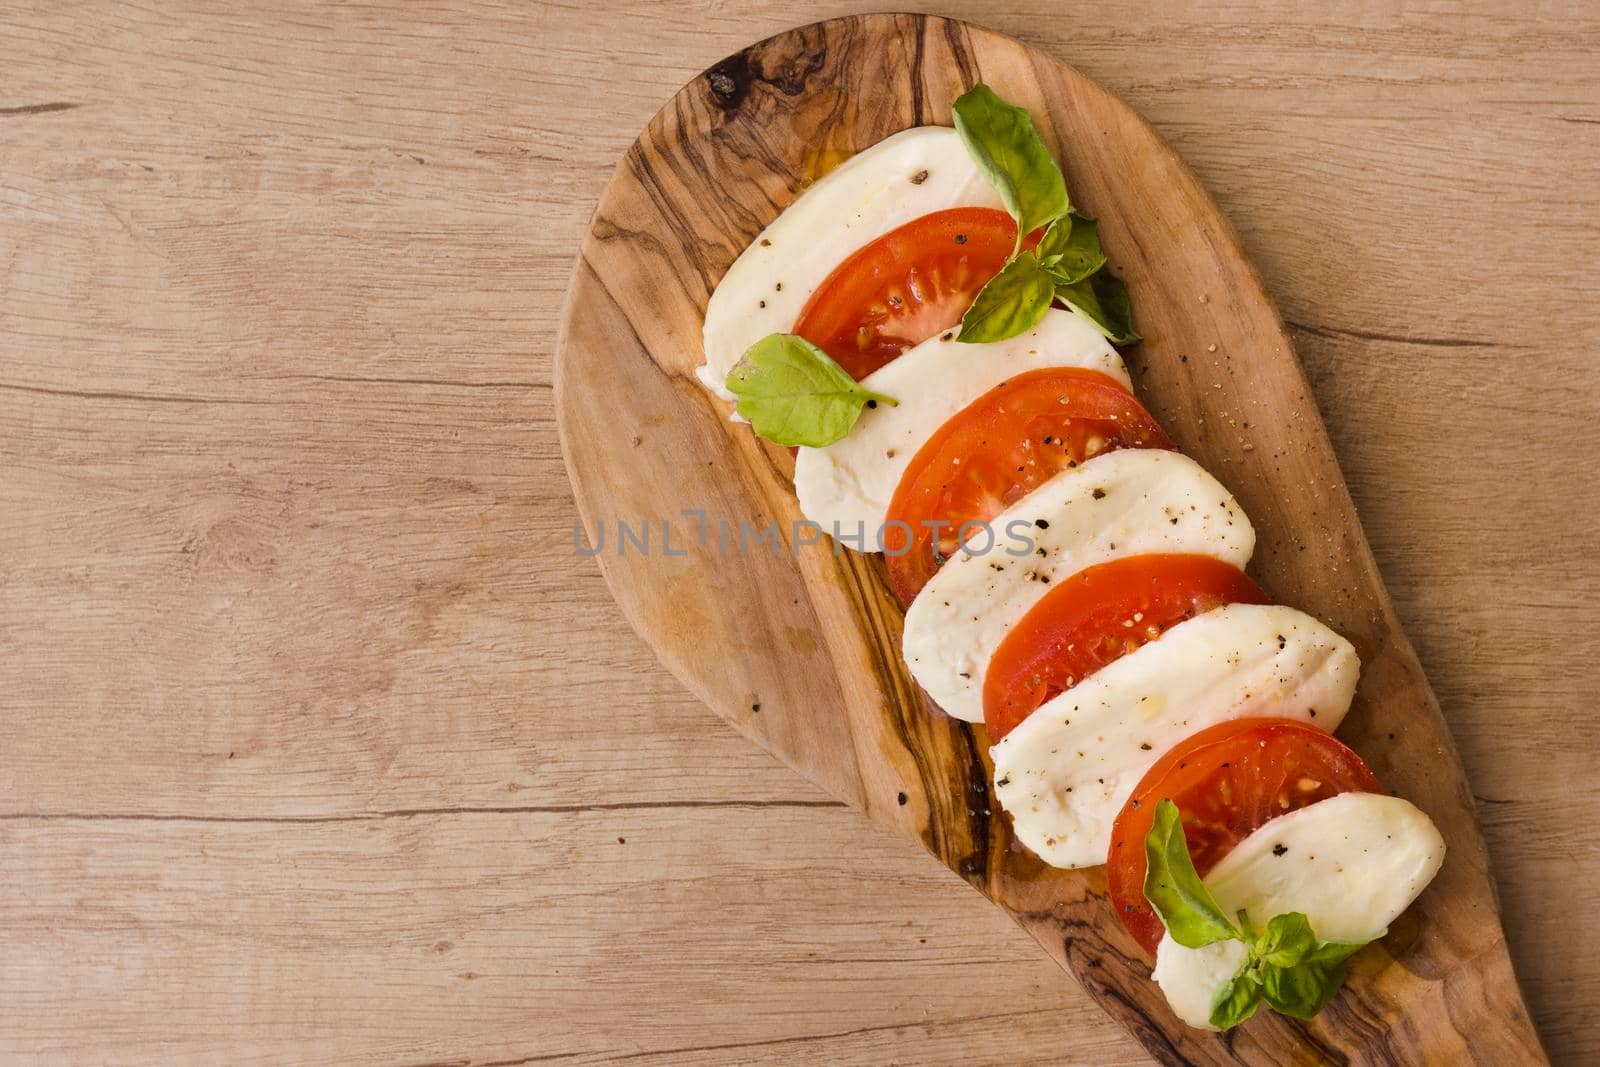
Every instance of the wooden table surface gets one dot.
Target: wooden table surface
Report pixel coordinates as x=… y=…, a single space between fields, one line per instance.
x=321 y=743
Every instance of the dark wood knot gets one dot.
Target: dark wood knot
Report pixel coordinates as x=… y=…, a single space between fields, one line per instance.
x=728 y=80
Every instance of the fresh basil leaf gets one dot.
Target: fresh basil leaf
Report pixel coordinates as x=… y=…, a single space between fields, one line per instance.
x=1070 y=248
x=1002 y=141
x=1236 y=1001
x=1116 y=307
x=1103 y=299
x=1339 y=951
x=1299 y=974
x=1288 y=940
x=793 y=394
x=1174 y=889
x=1054 y=241
x=1012 y=302
x=1301 y=990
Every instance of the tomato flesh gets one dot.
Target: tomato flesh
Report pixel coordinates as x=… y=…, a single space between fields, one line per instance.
x=996 y=450
x=1098 y=615
x=913 y=283
x=1227 y=781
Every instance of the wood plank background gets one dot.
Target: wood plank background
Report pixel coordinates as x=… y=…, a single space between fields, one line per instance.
x=319 y=743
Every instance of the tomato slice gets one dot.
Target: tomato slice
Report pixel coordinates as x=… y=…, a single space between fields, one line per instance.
x=1098 y=615
x=911 y=284
x=1227 y=781
x=996 y=450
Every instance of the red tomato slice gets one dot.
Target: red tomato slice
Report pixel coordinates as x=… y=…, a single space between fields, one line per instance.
x=1098 y=615
x=911 y=284
x=1227 y=781
x=996 y=450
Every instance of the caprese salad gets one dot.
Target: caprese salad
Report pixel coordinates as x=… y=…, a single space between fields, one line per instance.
x=932 y=325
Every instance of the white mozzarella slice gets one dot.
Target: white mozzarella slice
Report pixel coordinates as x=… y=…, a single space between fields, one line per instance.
x=1122 y=503
x=1067 y=769
x=847 y=486
x=913 y=173
x=1351 y=864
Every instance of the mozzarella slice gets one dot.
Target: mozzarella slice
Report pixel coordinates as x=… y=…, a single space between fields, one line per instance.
x=913 y=173
x=1118 y=504
x=1065 y=772
x=1351 y=864
x=847 y=486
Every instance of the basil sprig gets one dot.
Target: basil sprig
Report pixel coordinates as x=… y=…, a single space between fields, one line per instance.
x=794 y=394
x=1286 y=965
x=1067 y=263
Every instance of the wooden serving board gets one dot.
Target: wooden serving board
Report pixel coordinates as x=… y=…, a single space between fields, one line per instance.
x=800 y=650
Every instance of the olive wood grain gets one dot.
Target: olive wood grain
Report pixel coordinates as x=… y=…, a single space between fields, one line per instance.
x=799 y=650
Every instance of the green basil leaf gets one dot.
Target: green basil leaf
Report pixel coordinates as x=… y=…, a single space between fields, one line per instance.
x=1339 y=951
x=1174 y=889
x=1288 y=940
x=1236 y=1001
x=1002 y=141
x=793 y=394
x=1103 y=299
x=1012 y=302
x=1070 y=248
x=1301 y=990
x=1299 y=974
x=1053 y=244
